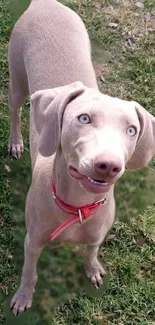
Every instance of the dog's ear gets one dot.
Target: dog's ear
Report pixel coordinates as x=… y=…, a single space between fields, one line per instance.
x=48 y=106
x=145 y=148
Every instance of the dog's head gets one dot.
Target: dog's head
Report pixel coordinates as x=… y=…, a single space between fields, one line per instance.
x=99 y=135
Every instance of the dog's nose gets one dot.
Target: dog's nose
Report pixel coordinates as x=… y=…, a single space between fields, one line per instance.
x=107 y=165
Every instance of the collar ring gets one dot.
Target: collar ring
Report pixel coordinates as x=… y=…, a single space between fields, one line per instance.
x=80 y=216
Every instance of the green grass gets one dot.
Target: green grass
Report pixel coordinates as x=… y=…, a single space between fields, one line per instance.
x=128 y=296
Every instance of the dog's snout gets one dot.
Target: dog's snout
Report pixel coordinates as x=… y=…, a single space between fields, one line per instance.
x=107 y=166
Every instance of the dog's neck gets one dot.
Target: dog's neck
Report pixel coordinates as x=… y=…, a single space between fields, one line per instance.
x=69 y=189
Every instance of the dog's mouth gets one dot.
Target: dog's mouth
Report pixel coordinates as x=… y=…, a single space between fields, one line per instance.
x=90 y=184
x=97 y=182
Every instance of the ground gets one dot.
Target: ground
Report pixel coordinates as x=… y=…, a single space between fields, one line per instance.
x=122 y=34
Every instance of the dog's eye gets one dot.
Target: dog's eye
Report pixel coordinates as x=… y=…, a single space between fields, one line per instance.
x=84 y=118
x=131 y=131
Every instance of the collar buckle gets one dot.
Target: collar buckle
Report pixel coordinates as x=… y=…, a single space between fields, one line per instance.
x=54 y=197
x=103 y=201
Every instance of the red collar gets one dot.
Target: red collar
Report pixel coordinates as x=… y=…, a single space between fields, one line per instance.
x=78 y=213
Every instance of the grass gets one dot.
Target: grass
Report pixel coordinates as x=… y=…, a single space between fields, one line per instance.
x=63 y=296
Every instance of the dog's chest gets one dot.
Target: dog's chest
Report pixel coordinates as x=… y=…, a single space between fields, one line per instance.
x=88 y=232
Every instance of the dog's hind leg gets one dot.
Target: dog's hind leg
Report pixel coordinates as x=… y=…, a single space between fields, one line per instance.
x=18 y=91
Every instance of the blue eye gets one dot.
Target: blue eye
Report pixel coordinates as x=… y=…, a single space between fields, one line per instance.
x=84 y=118
x=131 y=131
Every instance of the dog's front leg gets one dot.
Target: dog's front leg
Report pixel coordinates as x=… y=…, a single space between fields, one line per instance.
x=93 y=268
x=22 y=299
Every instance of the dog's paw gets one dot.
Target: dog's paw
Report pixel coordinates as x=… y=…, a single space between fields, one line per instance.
x=21 y=302
x=15 y=148
x=95 y=273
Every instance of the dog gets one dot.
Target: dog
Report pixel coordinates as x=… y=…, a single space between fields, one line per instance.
x=81 y=140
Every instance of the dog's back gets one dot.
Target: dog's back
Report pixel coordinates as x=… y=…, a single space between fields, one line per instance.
x=50 y=47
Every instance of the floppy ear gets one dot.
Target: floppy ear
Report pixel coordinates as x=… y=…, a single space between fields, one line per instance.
x=48 y=106
x=145 y=148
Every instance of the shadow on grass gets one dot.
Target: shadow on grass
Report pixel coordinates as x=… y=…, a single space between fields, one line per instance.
x=17 y=7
